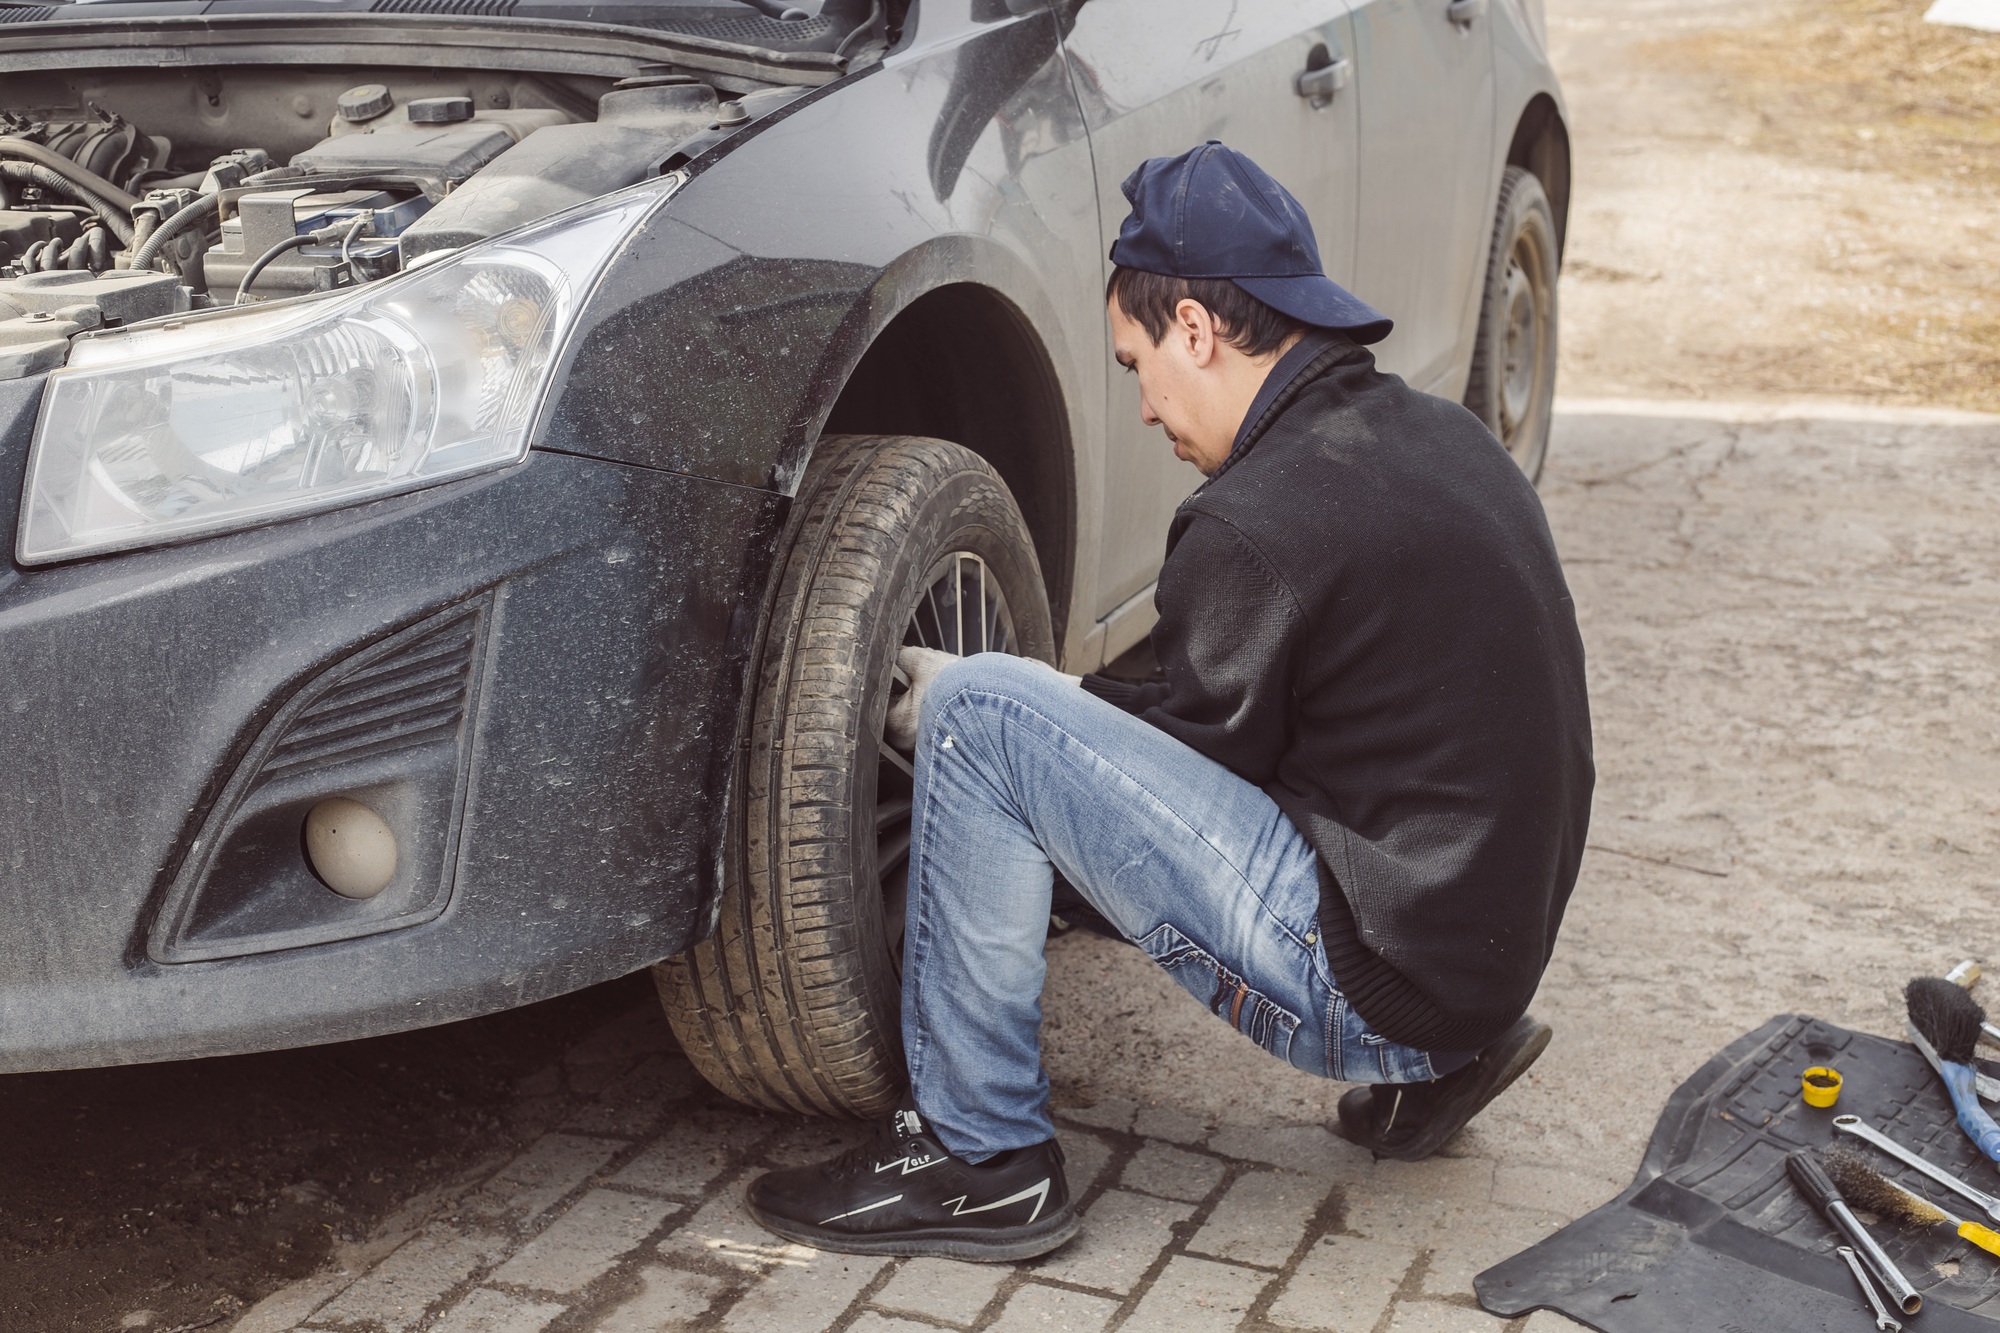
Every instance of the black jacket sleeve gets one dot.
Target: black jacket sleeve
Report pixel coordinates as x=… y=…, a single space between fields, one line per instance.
x=1134 y=696
x=1226 y=637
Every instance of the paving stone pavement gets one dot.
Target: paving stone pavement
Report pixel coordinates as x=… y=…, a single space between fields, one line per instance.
x=1791 y=624
x=629 y=1219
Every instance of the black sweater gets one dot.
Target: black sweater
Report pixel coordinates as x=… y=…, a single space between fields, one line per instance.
x=1362 y=612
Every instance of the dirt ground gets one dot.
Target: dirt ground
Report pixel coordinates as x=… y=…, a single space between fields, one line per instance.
x=170 y=1197
x=1792 y=653
x=1780 y=199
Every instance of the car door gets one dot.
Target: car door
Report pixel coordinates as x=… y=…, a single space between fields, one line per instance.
x=1424 y=75
x=1156 y=77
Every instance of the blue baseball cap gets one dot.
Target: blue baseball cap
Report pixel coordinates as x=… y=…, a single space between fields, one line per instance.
x=1213 y=213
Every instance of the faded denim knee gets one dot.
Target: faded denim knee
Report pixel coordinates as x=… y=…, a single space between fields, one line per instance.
x=997 y=673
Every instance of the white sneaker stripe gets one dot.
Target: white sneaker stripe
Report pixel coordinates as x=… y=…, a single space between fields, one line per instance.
x=1039 y=1192
x=869 y=1208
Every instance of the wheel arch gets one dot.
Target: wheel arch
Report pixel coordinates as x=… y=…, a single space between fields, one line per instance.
x=963 y=362
x=1541 y=147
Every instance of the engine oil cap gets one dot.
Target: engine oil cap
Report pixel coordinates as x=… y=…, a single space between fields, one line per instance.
x=439 y=110
x=364 y=103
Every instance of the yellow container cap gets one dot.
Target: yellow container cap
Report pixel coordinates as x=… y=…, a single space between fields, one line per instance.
x=1820 y=1086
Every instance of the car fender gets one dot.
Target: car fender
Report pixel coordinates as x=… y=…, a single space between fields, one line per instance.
x=721 y=337
x=1523 y=77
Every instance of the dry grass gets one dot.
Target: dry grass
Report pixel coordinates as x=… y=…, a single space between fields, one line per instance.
x=1866 y=85
x=1942 y=361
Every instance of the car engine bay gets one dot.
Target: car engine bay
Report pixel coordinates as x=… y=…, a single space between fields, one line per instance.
x=128 y=193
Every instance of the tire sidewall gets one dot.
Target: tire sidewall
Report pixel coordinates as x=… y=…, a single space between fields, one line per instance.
x=944 y=522
x=1523 y=210
x=957 y=503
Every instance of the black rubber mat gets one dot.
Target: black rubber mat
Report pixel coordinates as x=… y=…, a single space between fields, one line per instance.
x=1712 y=1236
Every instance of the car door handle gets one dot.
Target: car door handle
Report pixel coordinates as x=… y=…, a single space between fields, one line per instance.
x=1319 y=85
x=1463 y=12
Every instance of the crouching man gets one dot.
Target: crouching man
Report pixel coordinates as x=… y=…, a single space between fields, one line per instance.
x=1348 y=818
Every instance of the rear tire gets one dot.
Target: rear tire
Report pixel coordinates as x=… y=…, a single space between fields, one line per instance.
x=1513 y=384
x=795 y=1001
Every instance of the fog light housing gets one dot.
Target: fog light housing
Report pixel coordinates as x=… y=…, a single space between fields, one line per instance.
x=350 y=847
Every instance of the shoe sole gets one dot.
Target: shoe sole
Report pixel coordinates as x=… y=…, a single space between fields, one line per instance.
x=980 y=1245
x=1428 y=1142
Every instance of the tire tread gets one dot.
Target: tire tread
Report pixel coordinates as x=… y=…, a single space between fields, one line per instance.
x=784 y=1006
x=1520 y=191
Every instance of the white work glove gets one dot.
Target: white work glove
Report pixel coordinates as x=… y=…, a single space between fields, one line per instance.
x=921 y=665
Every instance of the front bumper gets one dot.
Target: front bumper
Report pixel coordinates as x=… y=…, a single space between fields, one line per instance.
x=612 y=608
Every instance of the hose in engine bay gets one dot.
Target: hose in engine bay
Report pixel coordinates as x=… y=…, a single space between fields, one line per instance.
x=36 y=173
x=84 y=178
x=186 y=219
x=265 y=260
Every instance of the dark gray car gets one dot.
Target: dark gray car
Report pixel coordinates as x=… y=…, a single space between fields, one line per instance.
x=476 y=460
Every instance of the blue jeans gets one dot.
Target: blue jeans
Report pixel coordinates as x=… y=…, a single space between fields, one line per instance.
x=1019 y=774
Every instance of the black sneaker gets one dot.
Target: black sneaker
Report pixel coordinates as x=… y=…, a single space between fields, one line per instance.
x=902 y=1193
x=1410 y=1121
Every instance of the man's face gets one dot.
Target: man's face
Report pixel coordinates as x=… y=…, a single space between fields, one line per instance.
x=1176 y=382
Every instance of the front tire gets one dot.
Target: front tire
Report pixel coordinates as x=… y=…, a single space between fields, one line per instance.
x=795 y=1001
x=1513 y=384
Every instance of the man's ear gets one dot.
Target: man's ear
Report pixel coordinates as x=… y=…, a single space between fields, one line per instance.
x=1195 y=327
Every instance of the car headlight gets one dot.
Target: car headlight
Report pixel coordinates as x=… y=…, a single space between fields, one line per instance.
x=231 y=419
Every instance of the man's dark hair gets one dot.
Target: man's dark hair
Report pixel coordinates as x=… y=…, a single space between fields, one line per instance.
x=1245 y=323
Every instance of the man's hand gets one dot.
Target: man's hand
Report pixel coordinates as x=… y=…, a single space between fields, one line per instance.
x=921 y=665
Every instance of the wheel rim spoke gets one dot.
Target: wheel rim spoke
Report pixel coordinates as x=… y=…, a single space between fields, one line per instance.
x=893 y=850
x=891 y=813
x=893 y=757
x=983 y=611
x=937 y=620
x=895 y=910
x=958 y=592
